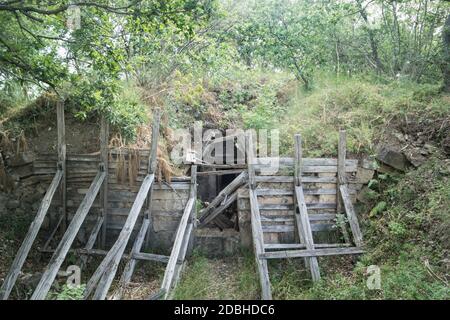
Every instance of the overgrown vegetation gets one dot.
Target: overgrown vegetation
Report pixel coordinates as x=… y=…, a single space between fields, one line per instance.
x=375 y=68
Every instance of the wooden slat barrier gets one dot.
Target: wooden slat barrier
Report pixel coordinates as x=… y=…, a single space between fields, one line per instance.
x=69 y=236
x=26 y=245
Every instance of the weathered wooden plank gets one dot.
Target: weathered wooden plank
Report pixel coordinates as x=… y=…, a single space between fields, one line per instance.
x=351 y=216
x=26 y=245
x=181 y=236
x=284 y=228
x=62 y=159
x=290 y=246
x=131 y=265
x=230 y=200
x=92 y=238
x=230 y=188
x=311 y=253
x=219 y=172
x=104 y=155
x=258 y=242
x=307 y=232
x=120 y=244
x=305 y=161
x=69 y=236
x=170 y=270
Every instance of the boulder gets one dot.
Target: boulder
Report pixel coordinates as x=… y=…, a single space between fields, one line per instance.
x=393 y=158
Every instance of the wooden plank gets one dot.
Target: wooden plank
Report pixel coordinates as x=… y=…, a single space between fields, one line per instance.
x=69 y=236
x=229 y=189
x=152 y=163
x=26 y=245
x=342 y=144
x=311 y=253
x=131 y=265
x=170 y=271
x=104 y=155
x=288 y=246
x=139 y=256
x=290 y=179
x=285 y=228
x=306 y=230
x=258 y=243
x=313 y=162
x=119 y=246
x=229 y=201
x=62 y=159
x=351 y=216
x=219 y=172
x=92 y=238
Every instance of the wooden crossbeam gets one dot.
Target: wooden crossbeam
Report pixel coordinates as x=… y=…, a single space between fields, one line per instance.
x=311 y=253
x=69 y=236
x=26 y=245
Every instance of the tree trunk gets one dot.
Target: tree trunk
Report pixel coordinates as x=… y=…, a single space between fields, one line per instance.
x=446 y=54
x=371 y=34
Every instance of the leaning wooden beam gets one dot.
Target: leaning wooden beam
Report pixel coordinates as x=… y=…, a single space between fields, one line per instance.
x=230 y=200
x=69 y=236
x=107 y=278
x=169 y=273
x=307 y=233
x=351 y=216
x=257 y=233
x=119 y=247
x=235 y=184
x=25 y=247
x=258 y=242
x=131 y=265
x=310 y=253
x=188 y=236
x=92 y=238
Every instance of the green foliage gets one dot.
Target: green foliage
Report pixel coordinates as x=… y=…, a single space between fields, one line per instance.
x=68 y=293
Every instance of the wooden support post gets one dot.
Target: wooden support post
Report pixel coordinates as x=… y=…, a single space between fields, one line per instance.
x=152 y=164
x=301 y=217
x=62 y=160
x=69 y=236
x=180 y=237
x=25 y=247
x=342 y=150
x=104 y=154
x=341 y=180
x=257 y=233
